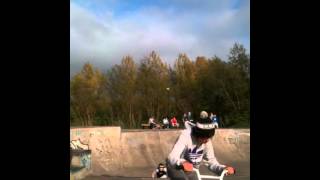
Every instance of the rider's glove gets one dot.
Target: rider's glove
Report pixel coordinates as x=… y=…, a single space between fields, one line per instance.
x=187 y=166
x=230 y=170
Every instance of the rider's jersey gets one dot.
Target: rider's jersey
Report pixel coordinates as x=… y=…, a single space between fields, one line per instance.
x=187 y=149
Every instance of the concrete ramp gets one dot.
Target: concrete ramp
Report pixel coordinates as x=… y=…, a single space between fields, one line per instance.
x=134 y=154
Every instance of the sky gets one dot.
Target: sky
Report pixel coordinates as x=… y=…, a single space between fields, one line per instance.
x=102 y=32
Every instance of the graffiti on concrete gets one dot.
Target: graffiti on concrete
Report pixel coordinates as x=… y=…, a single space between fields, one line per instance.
x=236 y=138
x=81 y=150
x=104 y=144
x=86 y=160
x=104 y=149
x=78 y=145
x=78 y=132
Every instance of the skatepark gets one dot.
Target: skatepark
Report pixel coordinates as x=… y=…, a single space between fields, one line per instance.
x=114 y=153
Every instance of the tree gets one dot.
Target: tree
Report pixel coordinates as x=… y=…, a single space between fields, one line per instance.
x=202 y=90
x=122 y=90
x=85 y=94
x=129 y=93
x=239 y=84
x=240 y=59
x=153 y=79
x=185 y=83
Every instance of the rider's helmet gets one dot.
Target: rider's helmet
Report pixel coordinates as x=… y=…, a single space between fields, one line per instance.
x=203 y=114
x=203 y=127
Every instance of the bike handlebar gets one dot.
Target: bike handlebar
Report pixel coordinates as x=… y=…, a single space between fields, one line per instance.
x=208 y=176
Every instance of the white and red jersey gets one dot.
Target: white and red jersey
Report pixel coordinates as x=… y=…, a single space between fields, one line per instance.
x=187 y=149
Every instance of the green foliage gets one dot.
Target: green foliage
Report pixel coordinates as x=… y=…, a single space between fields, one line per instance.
x=129 y=93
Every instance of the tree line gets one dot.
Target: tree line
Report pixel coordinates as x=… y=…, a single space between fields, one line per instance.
x=129 y=93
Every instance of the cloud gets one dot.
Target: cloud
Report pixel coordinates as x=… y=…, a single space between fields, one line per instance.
x=208 y=28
